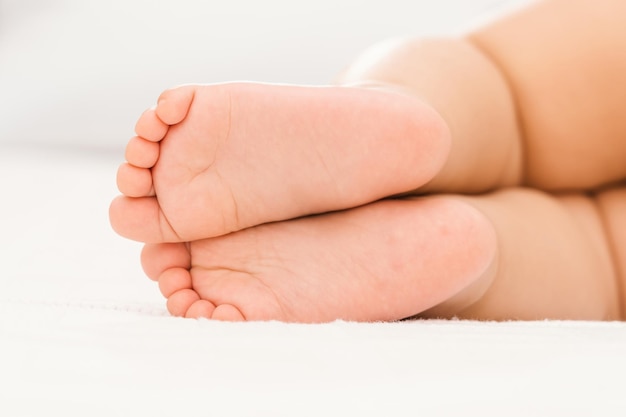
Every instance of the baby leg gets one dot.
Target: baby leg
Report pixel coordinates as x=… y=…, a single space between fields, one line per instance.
x=515 y=254
x=555 y=260
x=380 y=262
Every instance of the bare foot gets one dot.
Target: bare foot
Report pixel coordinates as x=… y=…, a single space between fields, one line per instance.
x=384 y=261
x=213 y=159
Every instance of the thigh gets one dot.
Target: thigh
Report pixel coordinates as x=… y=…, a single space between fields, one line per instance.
x=471 y=95
x=554 y=260
x=612 y=205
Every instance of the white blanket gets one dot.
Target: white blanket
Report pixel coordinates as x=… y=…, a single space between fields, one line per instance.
x=84 y=333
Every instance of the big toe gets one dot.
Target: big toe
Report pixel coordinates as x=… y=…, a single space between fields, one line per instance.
x=141 y=219
x=156 y=258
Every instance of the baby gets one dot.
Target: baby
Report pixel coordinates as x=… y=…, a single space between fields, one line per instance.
x=478 y=177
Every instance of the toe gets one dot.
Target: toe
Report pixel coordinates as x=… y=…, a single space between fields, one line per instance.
x=159 y=257
x=133 y=181
x=142 y=153
x=174 y=104
x=174 y=280
x=141 y=219
x=227 y=312
x=150 y=127
x=200 y=309
x=179 y=302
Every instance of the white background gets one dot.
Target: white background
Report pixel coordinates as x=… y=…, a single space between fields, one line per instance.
x=81 y=71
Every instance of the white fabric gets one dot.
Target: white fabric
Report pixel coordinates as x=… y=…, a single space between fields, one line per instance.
x=84 y=333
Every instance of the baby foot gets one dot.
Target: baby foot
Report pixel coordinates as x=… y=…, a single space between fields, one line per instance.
x=213 y=159
x=384 y=261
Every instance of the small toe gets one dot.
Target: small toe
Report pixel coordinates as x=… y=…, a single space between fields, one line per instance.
x=142 y=153
x=133 y=181
x=173 y=280
x=150 y=127
x=227 y=312
x=179 y=303
x=159 y=257
x=174 y=104
x=200 y=309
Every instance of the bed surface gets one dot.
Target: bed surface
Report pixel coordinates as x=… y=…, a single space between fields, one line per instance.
x=84 y=333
